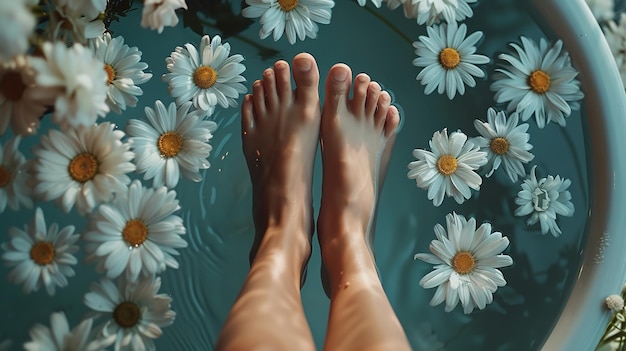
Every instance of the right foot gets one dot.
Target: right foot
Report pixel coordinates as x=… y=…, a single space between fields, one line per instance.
x=280 y=128
x=357 y=137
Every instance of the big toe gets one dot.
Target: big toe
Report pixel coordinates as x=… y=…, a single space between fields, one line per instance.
x=337 y=86
x=306 y=76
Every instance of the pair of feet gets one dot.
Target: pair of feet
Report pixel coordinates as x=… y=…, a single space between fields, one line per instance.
x=281 y=129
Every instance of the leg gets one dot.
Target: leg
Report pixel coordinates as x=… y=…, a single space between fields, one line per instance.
x=280 y=131
x=357 y=136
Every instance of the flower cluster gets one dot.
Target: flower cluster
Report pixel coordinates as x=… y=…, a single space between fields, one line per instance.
x=536 y=80
x=74 y=72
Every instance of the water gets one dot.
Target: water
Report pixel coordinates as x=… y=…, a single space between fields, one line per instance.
x=217 y=210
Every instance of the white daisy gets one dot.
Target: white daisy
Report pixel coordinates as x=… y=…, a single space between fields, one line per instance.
x=602 y=9
x=376 y=3
x=41 y=257
x=173 y=141
x=209 y=77
x=429 y=12
x=616 y=37
x=14 y=177
x=466 y=263
x=538 y=80
x=137 y=232
x=296 y=18
x=134 y=309
x=158 y=14
x=449 y=169
x=83 y=166
x=22 y=102
x=16 y=25
x=73 y=28
x=88 y=8
x=505 y=142
x=84 y=89
x=543 y=200
x=124 y=71
x=59 y=337
x=449 y=59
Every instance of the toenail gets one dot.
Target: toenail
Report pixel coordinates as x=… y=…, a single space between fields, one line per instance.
x=340 y=76
x=303 y=65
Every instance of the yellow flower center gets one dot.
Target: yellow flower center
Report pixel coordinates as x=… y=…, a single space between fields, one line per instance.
x=12 y=86
x=539 y=81
x=5 y=176
x=449 y=58
x=463 y=262
x=83 y=167
x=110 y=73
x=42 y=253
x=170 y=144
x=135 y=232
x=447 y=164
x=127 y=314
x=204 y=77
x=288 y=5
x=499 y=145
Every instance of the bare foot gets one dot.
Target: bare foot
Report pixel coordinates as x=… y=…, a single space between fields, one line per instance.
x=280 y=131
x=357 y=136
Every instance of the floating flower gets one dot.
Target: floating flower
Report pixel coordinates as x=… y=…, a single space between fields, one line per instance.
x=16 y=24
x=73 y=28
x=296 y=18
x=543 y=200
x=22 y=102
x=173 y=141
x=449 y=169
x=538 y=80
x=429 y=12
x=41 y=257
x=158 y=14
x=124 y=70
x=209 y=78
x=84 y=88
x=83 y=166
x=14 y=177
x=135 y=312
x=59 y=337
x=88 y=8
x=449 y=59
x=616 y=37
x=137 y=232
x=376 y=3
x=466 y=263
x=505 y=142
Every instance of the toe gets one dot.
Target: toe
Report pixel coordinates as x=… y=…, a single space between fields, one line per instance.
x=371 y=102
x=361 y=83
x=247 y=114
x=306 y=76
x=337 y=87
x=283 y=80
x=258 y=98
x=269 y=86
x=384 y=100
x=392 y=121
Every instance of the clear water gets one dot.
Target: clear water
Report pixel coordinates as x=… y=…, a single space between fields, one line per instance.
x=217 y=210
